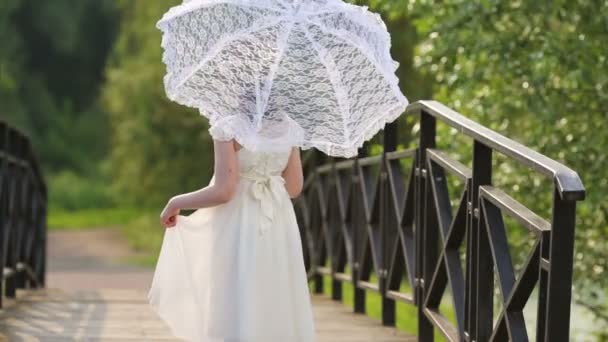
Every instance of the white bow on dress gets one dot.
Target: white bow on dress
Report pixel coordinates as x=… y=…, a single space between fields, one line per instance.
x=267 y=189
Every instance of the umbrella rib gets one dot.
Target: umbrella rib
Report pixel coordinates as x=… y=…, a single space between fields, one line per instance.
x=387 y=76
x=330 y=65
x=275 y=66
x=222 y=43
x=349 y=15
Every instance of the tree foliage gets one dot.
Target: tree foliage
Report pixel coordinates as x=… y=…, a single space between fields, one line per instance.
x=10 y=67
x=51 y=66
x=534 y=71
x=158 y=147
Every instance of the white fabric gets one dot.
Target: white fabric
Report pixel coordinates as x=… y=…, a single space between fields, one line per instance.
x=307 y=73
x=235 y=272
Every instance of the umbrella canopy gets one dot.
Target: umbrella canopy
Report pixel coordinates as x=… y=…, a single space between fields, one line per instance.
x=279 y=73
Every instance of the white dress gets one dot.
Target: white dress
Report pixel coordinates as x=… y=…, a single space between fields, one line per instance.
x=235 y=272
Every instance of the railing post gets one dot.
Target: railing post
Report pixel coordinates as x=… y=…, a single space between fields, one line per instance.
x=42 y=239
x=21 y=214
x=358 y=293
x=426 y=239
x=336 y=284
x=481 y=281
x=388 y=305
x=14 y=177
x=3 y=201
x=29 y=233
x=318 y=278
x=559 y=288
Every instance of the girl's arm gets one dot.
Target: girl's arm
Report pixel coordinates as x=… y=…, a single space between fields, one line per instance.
x=293 y=174
x=221 y=191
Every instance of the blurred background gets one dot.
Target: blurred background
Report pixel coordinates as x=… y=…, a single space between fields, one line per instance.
x=83 y=78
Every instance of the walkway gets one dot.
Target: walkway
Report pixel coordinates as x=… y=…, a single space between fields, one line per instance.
x=93 y=295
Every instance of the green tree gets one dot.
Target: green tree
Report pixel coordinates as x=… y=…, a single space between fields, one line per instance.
x=10 y=67
x=158 y=147
x=534 y=71
x=51 y=67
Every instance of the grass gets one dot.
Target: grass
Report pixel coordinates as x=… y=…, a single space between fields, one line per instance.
x=90 y=218
x=406 y=315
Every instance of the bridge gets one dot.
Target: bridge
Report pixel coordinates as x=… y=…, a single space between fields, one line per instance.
x=413 y=227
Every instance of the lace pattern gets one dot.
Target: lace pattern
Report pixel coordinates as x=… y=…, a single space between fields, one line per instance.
x=272 y=73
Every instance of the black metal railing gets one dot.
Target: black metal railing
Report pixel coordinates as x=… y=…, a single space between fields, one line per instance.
x=23 y=209
x=385 y=228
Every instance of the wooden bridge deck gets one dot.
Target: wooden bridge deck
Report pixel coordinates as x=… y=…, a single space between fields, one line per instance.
x=93 y=295
x=124 y=315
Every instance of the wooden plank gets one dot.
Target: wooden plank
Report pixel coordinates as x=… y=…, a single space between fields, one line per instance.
x=99 y=315
x=124 y=315
x=335 y=322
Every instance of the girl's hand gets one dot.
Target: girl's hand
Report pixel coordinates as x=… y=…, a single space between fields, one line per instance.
x=168 y=218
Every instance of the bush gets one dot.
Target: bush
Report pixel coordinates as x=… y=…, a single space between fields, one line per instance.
x=71 y=192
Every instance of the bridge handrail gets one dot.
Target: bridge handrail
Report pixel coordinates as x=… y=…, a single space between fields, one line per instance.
x=23 y=211
x=569 y=183
x=366 y=215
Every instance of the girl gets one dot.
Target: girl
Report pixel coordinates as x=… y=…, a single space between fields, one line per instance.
x=233 y=271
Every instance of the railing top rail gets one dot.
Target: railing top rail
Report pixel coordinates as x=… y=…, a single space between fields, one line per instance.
x=568 y=182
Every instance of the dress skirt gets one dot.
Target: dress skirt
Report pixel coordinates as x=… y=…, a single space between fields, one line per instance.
x=235 y=272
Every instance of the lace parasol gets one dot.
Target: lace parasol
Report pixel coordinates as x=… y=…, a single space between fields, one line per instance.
x=278 y=73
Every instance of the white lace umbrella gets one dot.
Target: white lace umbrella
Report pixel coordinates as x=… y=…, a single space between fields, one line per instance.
x=279 y=73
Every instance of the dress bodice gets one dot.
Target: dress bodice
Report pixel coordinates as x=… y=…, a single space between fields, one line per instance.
x=260 y=173
x=253 y=163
